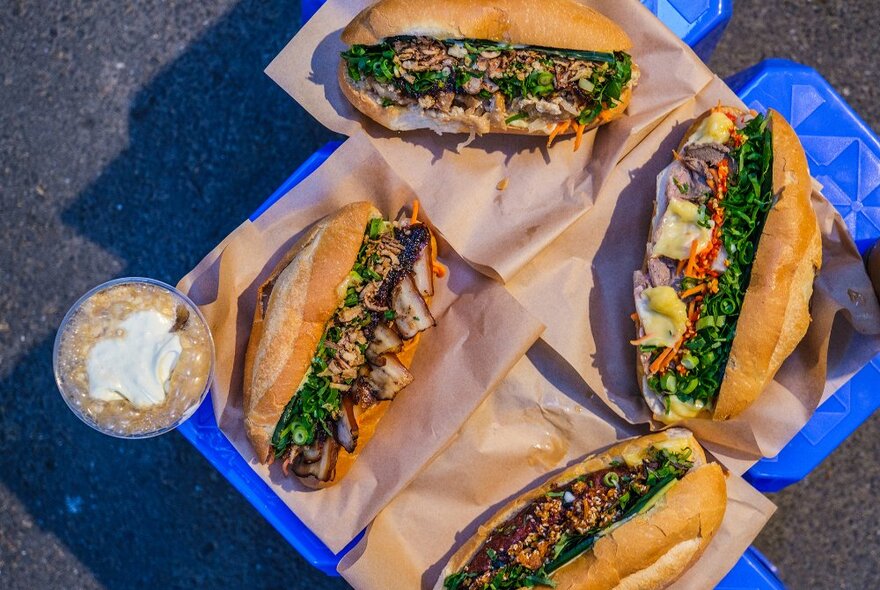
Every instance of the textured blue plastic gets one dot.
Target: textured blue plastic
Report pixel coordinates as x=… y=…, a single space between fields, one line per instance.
x=699 y=23
x=752 y=572
x=310 y=165
x=844 y=155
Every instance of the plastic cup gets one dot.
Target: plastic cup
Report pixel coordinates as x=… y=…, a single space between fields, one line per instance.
x=116 y=418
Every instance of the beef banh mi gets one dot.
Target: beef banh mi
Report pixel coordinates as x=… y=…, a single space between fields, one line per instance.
x=595 y=525
x=723 y=298
x=484 y=66
x=335 y=328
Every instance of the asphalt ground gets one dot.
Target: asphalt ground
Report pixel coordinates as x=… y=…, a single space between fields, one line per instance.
x=133 y=137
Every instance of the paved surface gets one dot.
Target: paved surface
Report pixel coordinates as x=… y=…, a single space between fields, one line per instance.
x=133 y=137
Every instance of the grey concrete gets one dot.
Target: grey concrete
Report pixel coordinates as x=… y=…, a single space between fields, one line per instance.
x=133 y=137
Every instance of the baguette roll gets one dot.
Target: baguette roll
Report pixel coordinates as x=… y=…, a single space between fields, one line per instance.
x=451 y=66
x=769 y=290
x=646 y=550
x=323 y=332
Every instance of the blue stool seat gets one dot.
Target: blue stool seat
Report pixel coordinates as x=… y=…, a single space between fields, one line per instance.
x=844 y=155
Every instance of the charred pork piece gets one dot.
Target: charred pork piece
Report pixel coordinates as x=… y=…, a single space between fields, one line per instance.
x=291 y=455
x=312 y=453
x=346 y=425
x=385 y=339
x=411 y=313
x=322 y=469
x=361 y=391
x=388 y=376
x=413 y=238
x=423 y=271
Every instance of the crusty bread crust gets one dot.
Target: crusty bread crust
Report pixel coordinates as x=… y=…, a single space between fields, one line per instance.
x=775 y=312
x=552 y=23
x=408 y=118
x=649 y=551
x=301 y=303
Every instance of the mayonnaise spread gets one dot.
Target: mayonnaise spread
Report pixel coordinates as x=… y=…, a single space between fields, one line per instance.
x=716 y=128
x=136 y=366
x=663 y=316
x=679 y=229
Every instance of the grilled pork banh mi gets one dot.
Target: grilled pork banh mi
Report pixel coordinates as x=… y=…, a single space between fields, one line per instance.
x=428 y=68
x=362 y=351
x=596 y=524
x=724 y=295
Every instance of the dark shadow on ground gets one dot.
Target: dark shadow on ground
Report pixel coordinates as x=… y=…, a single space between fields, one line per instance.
x=210 y=138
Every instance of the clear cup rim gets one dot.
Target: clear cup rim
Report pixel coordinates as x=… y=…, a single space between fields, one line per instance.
x=76 y=307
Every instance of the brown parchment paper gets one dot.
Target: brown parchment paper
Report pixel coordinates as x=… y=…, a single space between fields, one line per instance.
x=581 y=288
x=547 y=188
x=534 y=424
x=481 y=332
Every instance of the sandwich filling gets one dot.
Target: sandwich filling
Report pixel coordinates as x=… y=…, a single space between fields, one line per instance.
x=534 y=88
x=356 y=364
x=565 y=522
x=717 y=193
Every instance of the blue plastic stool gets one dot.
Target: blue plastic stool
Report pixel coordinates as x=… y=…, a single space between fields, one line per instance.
x=753 y=571
x=699 y=23
x=844 y=155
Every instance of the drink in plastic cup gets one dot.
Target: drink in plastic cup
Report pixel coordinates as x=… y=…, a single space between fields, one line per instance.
x=133 y=358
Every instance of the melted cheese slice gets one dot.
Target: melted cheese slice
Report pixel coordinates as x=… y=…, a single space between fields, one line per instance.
x=662 y=314
x=715 y=128
x=679 y=229
x=634 y=456
x=679 y=410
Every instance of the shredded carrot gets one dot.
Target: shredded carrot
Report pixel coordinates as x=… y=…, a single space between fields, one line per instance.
x=691 y=259
x=641 y=340
x=415 y=213
x=634 y=317
x=658 y=362
x=693 y=291
x=579 y=131
x=662 y=361
x=680 y=266
x=439 y=269
x=561 y=127
x=671 y=355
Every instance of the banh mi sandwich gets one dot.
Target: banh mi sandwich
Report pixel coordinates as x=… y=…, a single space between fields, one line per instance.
x=335 y=327
x=734 y=246
x=634 y=517
x=483 y=66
